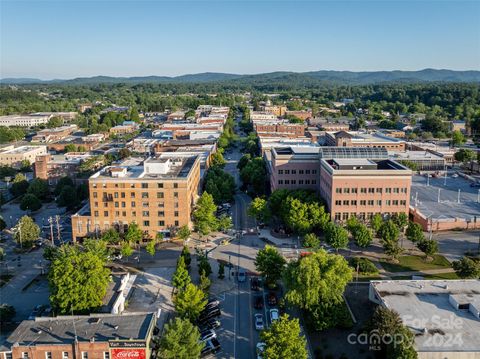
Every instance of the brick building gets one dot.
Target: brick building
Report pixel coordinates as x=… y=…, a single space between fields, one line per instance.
x=303 y=115
x=54 y=134
x=97 y=336
x=364 y=187
x=363 y=139
x=279 y=128
x=158 y=194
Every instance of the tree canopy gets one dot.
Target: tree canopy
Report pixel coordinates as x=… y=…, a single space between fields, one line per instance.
x=284 y=340
x=270 y=263
x=180 y=340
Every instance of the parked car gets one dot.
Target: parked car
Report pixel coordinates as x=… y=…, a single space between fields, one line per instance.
x=272 y=299
x=274 y=315
x=259 y=322
x=242 y=276
x=212 y=305
x=260 y=349
x=204 y=316
x=455 y=175
x=37 y=311
x=255 y=284
x=213 y=300
x=207 y=334
x=258 y=302
x=211 y=324
x=212 y=346
x=475 y=184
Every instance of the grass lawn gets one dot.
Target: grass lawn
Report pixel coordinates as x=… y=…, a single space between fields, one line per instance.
x=451 y=275
x=415 y=263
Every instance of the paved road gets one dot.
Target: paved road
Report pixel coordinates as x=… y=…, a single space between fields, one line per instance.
x=453 y=245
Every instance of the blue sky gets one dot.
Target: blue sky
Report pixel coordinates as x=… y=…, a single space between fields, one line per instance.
x=65 y=39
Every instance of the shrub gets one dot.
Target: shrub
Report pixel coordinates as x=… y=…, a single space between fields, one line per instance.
x=364 y=265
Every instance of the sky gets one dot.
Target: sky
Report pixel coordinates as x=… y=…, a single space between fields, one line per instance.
x=68 y=39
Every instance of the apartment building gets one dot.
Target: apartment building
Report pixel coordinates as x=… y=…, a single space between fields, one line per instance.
x=363 y=139
x=158 y=194
x=32 y=120
x=334 y=126
x=54 y=134
x=14 y=156
x=278 y=111
x=363 y=187
x=125 y=128
x=262 y=116
x=279 y=128
x=95 y=336
x=303 y=115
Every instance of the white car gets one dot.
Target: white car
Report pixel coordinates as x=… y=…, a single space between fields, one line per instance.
x=259 y=322
x=207 y=335
x=260 y=349
x=455 y=175
x=274 y=315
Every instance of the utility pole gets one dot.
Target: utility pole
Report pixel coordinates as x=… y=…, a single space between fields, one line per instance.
x=458 y=199
x=57 y=219
x=438 y=199
x=50 y=221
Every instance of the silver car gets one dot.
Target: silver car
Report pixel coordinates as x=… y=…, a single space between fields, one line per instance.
x=259 y=322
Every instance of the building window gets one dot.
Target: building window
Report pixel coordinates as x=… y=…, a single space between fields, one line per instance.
x=132 y=204
x=363 y=190
x=134 y=213
x=388 y=190
x=146 y=213
x=379 y=190
x=8 y=355
x=403 y=202
x=371 y=190
x=175 y=214
x=65 y=355
x=175 y=185
x=161 y=204
x=346 y=190
x=123 y=204
x=95 y=195
x=24 y=355
x=145 y=204
x=354 y=203
x=300 y=172
x=161 y=214
x=363 y=202
x=396 y=190
x=280 y=172
x=307 y=181
x=105 y=213
x=338 y=203
x=395 y=202
x=287 y=172
x=146 y=223
x=346 y=203
x=300 y=181
x=338 y=216
x=175 y=205
x=338 y=190
x=122 y=195
x=160 y=185
x=84 y=355
x=106 y=355
x=314 y=172
x=280 y=181
x=95 y=214
x=379 y=202
x=115 y=194
x=116 y=204
x=175 y=194
x=388 y=202
x=294 y=181
x=159 y=194
x=354 y=190
x=132 y=185
x=287 y=181
x=117 y=214
x=294 y=172
x=370 y=202
x=144 y=185
x=176 y=223
x=144 y=194
x=124 y=213
x=161 y=223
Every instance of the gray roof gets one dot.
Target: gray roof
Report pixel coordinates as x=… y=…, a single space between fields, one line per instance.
x=101 y=327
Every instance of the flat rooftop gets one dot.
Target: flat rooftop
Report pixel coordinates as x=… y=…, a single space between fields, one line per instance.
x=361 y=137
x=362 y=164
x=21 y=149
x=102 y=327
x=425 y=309
x=415 y=155
x=438 y=199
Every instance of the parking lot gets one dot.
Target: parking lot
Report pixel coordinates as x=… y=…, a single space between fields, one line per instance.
x=437 y=198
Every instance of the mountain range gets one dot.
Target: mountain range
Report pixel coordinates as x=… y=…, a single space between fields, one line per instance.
x=312 y=77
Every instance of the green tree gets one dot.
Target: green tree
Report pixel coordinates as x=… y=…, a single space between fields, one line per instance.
x=336 y=236
x=97 y=246
x=259 y=209
x=30 y=202
x=392 y=248
x=311 y=241
x=317 y=278
x=26 y=232
x=204 y=283
x=181 y=278
x=7 y=312
x=184 y=233
x=134 y=233
x=204 y=266
x=376 y=222
x=190 y=302
x=55 y=121
x=389 y=231
x=457 y=138
x=204 y=214
x=224 y=222
x=3 y=224
x=270 y=263
x=218 y=160
x=467 y=268
x=221 y=270
x=124 y=153
x=254 y=174
x=428 y=246
x=180 y=340
x=302 y=216
x=363 y=236
x=19 y=185
x=284 y=340
x=70 y=148
x=244 y=161
x=62 y=182
x=68 y=197
x=220 y=184
x=186 y=255
x=78 y=280
x=111 y=236
x=401 y=220
x=464 y=155
x=414 y=232
x=39 y=188
x=126 y=249
x=151 y=247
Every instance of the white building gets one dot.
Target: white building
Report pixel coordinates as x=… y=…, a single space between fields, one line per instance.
x=25 y=120
x=13 y=156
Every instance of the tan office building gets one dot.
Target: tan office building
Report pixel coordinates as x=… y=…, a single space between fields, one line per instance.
x=158 y=194
x=364 y=187
x=13 y=156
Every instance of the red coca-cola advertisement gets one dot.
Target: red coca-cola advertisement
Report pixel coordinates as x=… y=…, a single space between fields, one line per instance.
x=128 y=353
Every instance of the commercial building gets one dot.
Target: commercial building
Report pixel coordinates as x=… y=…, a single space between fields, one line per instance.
x=54 y=134
x=279 y=128
x=158 y=194
x=32 y=120
x=13 y=156
x=125 y=128
x=364 y=187
x=278 y=111
x=88 y=143
x=422 y=160
x=334 y=126
x=303 y=115
x=97 y=336
x=443 y=315
x=262 y=116
x=363 y=139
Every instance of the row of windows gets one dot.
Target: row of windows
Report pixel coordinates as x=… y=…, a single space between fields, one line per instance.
x=48 y=355
x=109 y=196
x=348 y=190
x=134 y=204
x=361 y=215
x=134 y=214
x=299 y=181
x=132 y=185
x=300 y=172
x=371 y=202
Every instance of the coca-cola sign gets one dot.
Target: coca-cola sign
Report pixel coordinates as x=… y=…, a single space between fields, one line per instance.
x=128 y=354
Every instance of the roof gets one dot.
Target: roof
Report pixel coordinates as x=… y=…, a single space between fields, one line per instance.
x=100 y=327
x=425 y=308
